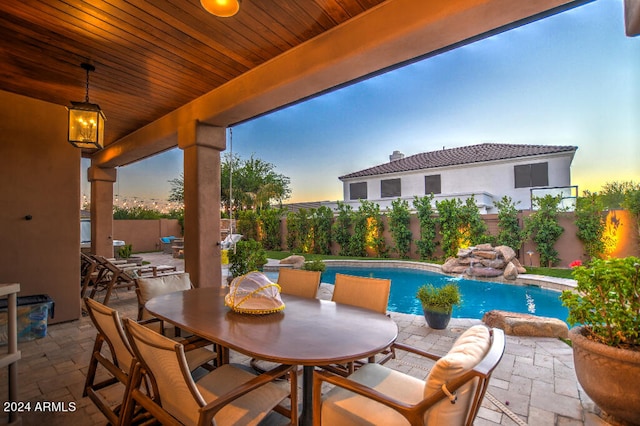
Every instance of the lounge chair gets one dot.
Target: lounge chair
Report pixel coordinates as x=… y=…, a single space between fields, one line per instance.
x=113 y=277
x=451 y=394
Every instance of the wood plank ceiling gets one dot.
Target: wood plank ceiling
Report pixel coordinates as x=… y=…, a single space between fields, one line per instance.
x=151 y=56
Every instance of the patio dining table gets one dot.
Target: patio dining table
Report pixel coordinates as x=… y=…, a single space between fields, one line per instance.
x=308 y=332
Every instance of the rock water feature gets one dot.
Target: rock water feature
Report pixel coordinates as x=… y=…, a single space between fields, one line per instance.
x=484 y=260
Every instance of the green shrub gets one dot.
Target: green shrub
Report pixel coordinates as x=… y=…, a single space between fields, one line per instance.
x=399 y=220
x=315 y=264
x=427 y=243
x=543 y=227
x=607 y=301
x=248 y=256
x=440 y=299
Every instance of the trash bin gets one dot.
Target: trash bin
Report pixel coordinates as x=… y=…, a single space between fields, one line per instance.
x=33 y=314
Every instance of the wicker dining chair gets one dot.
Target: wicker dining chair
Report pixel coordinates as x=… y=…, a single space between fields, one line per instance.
x=451 y=394
x=228 y=395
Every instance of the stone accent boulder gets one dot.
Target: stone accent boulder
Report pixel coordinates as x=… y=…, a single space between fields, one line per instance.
x=518 y=266
x=484 y=260
x=485 y=254
x=510 y=271
x=295 y=260
x=516 y=324
x=483 y=271
x=506 y=252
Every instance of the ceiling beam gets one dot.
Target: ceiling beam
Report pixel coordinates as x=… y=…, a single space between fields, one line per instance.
x=395 y=32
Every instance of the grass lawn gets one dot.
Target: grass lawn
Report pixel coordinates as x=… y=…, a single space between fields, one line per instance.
x=550 y=272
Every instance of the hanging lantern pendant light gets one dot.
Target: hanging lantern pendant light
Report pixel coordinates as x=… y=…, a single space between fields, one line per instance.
x=86 y=120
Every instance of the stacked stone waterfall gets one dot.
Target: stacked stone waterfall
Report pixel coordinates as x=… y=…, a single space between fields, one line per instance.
x=484 y=260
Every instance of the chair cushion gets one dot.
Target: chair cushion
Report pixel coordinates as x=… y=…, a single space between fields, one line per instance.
x=345 y=407
x=467 y=351
x=152 y=287
x=248 y=409
x=149 y=288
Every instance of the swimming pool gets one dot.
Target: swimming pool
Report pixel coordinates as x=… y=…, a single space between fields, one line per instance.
x=478 y=297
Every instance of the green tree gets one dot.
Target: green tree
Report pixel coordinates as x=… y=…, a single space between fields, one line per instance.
x=449 y=221
x=428 y=222
x=510 y=233
x=247 y=224
x=341 y=228
x=369 y=212
x=292 y=231
x=613 y=193
x=632 y=204
x=358 y=240
x=543 y=227
x=254 y=183
x=322 y=221
x=176 y=193
x=399 y=221
x=591 y=224
x=270 y=225
x=473 y=230
x=305 y=230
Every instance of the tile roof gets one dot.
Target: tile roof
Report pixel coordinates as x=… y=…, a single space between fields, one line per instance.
x=463 y=155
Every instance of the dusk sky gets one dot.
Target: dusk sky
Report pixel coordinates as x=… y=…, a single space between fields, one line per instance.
x=571 y=79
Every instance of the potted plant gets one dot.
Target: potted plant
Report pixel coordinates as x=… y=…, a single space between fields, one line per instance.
x=248 y=256
x=606 y=344
x=315 y=264
x=438 y=302
x=126 y=251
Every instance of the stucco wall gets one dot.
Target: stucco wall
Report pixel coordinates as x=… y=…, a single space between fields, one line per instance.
x=144 y=235
x=40 y=177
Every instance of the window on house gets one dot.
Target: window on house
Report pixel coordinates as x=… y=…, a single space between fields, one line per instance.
x=432 y=184
x=358 y=191
x=528 y=175
x=390 y=188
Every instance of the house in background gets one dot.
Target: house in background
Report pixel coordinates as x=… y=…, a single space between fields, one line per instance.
x=487 y=171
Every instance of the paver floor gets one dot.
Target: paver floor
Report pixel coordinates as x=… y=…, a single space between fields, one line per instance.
x=534 y=384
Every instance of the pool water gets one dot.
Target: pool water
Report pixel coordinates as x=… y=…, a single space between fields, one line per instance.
x=478 y=297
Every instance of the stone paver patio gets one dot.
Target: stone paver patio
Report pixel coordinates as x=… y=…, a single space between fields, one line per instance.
x=534 y=384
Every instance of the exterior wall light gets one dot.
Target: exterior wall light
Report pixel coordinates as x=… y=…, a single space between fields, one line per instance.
x=86 y=120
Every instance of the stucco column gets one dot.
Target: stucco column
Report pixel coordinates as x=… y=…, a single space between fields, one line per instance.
x=102 y=180
x=202 y=145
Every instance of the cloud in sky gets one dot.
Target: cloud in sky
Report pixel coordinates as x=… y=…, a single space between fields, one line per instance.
x=570 y=79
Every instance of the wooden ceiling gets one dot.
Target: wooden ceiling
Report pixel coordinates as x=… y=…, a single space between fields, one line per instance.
x=151 y=56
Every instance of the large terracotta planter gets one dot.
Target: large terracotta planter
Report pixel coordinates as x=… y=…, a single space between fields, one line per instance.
x=610 y=376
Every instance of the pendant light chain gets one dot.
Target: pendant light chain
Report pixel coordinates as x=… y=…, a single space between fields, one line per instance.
x=86 y=98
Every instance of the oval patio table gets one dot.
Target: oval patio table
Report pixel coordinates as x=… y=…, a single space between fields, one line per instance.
x=309 y=332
